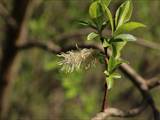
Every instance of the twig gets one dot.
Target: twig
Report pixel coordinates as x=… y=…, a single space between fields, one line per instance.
x=154 y=82
x=148 y=44
x=53 y=48
x=114 y=112
x=105 y=100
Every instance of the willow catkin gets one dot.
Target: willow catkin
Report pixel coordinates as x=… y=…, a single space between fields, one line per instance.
x=74 y=60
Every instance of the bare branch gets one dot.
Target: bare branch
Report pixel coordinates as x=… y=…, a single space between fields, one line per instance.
x=53 y=48
x=148 y=44
x=154 y=82
x=114 y=112
x=50 y=46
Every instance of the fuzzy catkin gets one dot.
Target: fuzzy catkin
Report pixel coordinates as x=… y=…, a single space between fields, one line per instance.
x=74 y=60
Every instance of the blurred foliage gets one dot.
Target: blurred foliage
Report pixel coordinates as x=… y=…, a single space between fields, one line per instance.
x=42 y=91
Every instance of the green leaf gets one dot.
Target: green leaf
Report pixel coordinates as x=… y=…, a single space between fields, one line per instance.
x=110 y=82
x=129 y=14
x=117 y=47
x=105 y=2
x=87 y=24
x=106 y=73
x=127 y=27
x=116 y=75
x=95 y=10
x=117 y=17
x=123 y=13
x=99 y=22
x=111 y=64
x=109 y=16
x=106 y=43
x=84 y=23
x=110 y=79
x=125 y=37
x=92 y=36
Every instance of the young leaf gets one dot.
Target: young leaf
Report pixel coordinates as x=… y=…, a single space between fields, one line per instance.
x=106 y=73
x=84 y=23
x=109 y=16
x=125 y=37
x=92 y=36
x=87 y=24
x=95 y=10
x=99 y=22
x=123 y=13
x=110 y=82
x=127 y=27
x=111 y=64
x=105 y=2
x=118 y=63
x=110 y=79
x=129 y=14
x=117 y=47
x=117 y=17
x=105 y=43
x=116 y=75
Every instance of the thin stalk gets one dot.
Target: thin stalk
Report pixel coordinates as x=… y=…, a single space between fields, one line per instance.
x=105 y=98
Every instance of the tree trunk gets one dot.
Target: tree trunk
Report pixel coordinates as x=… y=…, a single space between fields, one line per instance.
x=15 y=34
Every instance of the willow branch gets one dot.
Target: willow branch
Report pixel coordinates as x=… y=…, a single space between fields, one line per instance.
x=136 y=79
x=154 y=82
x=114 y=112
x=53 y=48
x=148 y=44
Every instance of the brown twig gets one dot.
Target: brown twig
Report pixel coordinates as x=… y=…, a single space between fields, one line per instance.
x=53 y=48
x=154 y=82
x=105 y=100
x=114 y=112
